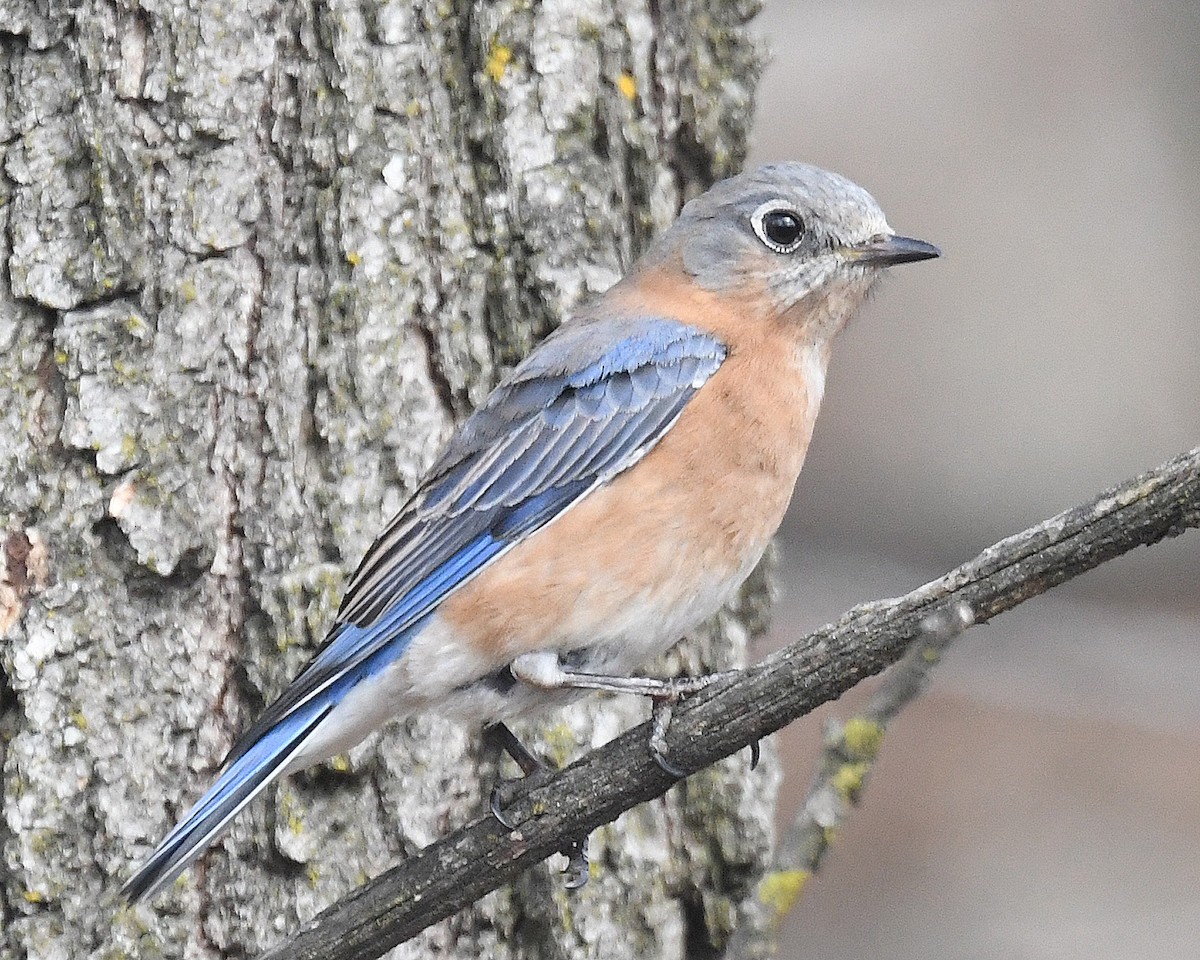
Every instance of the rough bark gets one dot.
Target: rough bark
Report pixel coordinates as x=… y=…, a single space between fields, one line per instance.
x=257 y=258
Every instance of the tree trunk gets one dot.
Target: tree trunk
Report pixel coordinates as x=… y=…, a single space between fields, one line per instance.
x=258 y=257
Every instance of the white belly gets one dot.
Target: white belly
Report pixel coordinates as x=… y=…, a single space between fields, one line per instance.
x=441 y=673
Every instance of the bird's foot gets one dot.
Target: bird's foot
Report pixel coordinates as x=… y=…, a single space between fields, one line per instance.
x=663 y=709
x=660 y=717
x=534 y=769
x=577 y=869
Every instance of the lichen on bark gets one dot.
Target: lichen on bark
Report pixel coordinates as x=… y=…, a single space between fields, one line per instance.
x=258 y=259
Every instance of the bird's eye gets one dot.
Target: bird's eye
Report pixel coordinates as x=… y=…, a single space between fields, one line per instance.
x=779 y=228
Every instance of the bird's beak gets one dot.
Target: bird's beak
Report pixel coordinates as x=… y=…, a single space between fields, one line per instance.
x=888 y=251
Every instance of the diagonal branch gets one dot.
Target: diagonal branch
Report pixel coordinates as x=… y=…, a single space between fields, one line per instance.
x=847 y=759
x=728 y=716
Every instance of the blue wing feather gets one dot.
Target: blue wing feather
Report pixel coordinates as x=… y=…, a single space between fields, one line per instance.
x=538 y=440
x=584 y=406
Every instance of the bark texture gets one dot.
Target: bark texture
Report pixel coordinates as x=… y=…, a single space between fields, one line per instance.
x=256 y=259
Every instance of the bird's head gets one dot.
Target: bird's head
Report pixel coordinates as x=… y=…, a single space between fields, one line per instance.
x=808 y=242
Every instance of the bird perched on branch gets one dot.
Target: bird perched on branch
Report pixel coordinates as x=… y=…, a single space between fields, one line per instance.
x=610 y=494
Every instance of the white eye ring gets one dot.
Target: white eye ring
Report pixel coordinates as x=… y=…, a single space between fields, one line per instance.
x=757 y=222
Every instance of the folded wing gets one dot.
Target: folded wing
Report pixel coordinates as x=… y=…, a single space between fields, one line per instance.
x=587 y=404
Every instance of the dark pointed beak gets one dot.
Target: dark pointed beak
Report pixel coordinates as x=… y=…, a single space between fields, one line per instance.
x=888 y=251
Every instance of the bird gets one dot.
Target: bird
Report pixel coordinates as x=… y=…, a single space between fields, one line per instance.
x=610 y=494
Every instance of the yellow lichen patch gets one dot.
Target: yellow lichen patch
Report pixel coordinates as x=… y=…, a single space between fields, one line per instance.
x=354 y=258
x=79 y=719
x=314 y=877
x=780 y=889
x=340 y=763
x=863 y=738
x=127 y=371
x=627 y=85
x=848 y=780
x=33 y=896
x=291 y=815
x=560 y=742
x=499 y=57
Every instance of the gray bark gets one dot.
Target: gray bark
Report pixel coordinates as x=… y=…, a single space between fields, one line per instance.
x=256 y=259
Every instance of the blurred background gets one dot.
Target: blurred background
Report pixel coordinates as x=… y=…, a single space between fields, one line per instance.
x=1043 y=800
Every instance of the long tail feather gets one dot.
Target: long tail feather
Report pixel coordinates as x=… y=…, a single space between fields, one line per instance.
x=237 y=785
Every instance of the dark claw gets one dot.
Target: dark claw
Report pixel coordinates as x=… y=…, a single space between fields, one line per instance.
x=661 y=718
x=534 y=769
x=755 y=755
x=494 y=802
x=577 y=864
x=500 y=737
x=666 y=766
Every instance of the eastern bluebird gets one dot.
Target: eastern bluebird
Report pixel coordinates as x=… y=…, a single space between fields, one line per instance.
x=610 y=494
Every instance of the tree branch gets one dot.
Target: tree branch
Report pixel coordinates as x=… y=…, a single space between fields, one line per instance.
x=725 y=718
x=847 y=759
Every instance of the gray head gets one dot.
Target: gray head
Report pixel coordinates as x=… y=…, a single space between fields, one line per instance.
x=786 y=230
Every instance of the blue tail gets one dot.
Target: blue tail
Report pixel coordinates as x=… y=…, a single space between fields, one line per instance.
x=265 y=750
x=240 y=783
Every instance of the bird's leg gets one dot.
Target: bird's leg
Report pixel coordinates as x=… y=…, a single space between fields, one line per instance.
x=498 y=735
x=545 y=670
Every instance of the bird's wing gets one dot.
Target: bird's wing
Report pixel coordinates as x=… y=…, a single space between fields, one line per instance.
x=584 y=406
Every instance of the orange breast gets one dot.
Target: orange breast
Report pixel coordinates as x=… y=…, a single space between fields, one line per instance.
x=636 y=557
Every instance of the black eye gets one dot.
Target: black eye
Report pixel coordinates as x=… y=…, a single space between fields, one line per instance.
x=779 y=228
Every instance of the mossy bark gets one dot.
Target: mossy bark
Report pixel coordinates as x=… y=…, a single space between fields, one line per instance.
x=257 y=259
